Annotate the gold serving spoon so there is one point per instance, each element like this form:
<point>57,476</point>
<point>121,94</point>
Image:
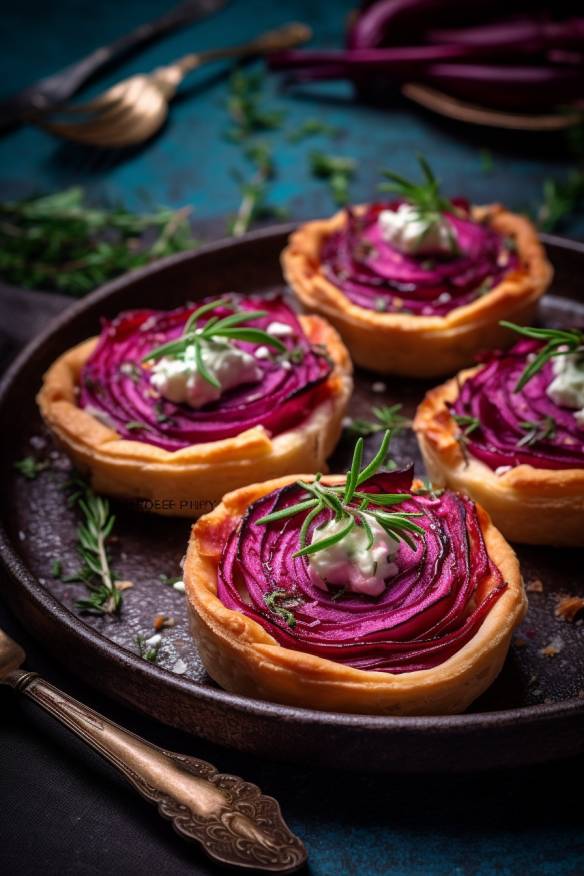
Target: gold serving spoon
<point>231,819</point>
<point>134,109</point>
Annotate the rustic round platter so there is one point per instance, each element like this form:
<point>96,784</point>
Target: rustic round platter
<point>533,712</point>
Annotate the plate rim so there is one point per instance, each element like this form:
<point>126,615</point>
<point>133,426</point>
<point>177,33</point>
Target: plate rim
<point>16,569</point>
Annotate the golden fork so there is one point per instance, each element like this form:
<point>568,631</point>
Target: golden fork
<point>231,819</point>
<point>134,109</point>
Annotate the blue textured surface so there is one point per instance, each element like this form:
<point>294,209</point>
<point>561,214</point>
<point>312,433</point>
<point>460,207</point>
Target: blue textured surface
<point>191,162</point>
<point>504,824</point>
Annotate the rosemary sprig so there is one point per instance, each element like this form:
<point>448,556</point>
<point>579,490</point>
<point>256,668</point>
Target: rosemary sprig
<point>425,198</point>
<point>338,170</point>
<point>536,431</point>
<point>350,506</point>
<point>232,327</point>
<point>560,200</point>
<point>93,533</point>
<point>386,417</point>
<point>559,342</point>
<point>59,242</point>
<point>29,467</point>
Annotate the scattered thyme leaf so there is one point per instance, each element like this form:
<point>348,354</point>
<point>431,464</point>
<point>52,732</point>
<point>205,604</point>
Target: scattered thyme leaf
<point>385,417</point>
<point>536,431</point>
<point>245,106</point>
<point>280,602</point>
<point>310,128</point>
<point>29,467</point>
<point>56,568</point>
<point>338,170</point>
<point>560,200</point>
<point>146,650</point>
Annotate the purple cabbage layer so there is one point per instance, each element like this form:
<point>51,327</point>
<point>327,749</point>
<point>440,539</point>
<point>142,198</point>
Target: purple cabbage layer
<point>489,396</point>
<point>435,604</point>
<point>116,386</point>
<point>375,275</point>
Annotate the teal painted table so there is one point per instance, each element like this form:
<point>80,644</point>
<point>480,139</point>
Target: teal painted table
<point>508,824</point>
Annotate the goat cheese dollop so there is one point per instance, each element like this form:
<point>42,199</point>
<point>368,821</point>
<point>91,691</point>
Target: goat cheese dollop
<point>178,379</point>
<point>567,387</point>
<point>350,563</point>
<point>410,233</point>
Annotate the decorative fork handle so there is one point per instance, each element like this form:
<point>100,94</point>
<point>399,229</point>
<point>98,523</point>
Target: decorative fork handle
<point>231,819</point>
<point>286,37</point>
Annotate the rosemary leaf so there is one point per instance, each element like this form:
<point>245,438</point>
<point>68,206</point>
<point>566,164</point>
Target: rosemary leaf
<point>558,342</point>
<point>29,467</point>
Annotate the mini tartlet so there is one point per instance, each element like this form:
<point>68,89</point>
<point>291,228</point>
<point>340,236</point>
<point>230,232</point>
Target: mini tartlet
<point>104,407</point>
<point>501,433</point>
<point>429,643</point>
<point>417,286</point>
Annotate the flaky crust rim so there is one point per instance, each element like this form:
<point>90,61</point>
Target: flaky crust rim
<point>243,658</point>
<point>190,481</point>
<point>528,504</point>
<point>420,346</point>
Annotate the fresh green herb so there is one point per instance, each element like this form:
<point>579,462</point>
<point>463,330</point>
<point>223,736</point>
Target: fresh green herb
<point>467,425</point>
<point>428,490</point>
<point>56,569</point>
<point>229,327</point>
<point>484,288</point>
<point>29,467</point>
<point>559,342</point>
<point>486,160</point>
<point>381,304</point>
<point>310,128</point>
<point>92,534</point>
<point>170,580</point>
<point>59,242</point>
<point>338,170</point>
<point>145,650</point>
<point>560,200</point>
<point>336,500</point>
<point>280,602</point>
<point>135,425</point>
<point>244,105</point>
<point>386,417</point>
<point>537,431</point>
<point>425,198</point>
<point>161,416</point>
<point>254,204</point>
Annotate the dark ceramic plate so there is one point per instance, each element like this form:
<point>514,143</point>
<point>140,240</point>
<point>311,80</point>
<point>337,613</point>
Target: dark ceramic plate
<point>533,712</point>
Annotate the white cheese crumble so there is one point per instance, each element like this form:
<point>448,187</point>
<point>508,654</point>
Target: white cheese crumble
<point>262,353</point>
<point>280,329</point>
<point>179,585</point>
<point>178,379</point>
<point>349,563</point>
<point>567,387</point>
<point>411,234</point>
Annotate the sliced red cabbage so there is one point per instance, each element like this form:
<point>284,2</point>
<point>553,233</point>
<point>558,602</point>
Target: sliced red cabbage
<point>375,275</point>
<point>489,396</point>
<point>116,386</point>
<point>442,592</point>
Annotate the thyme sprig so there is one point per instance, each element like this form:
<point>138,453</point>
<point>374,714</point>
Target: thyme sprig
<point>60,242</point>
<point>386,417</point>
<point>30,468</point>
<point>350,506</point>
<point>280,602</point>
<point>232,327</point>
<point>254,203</point>
<point>558,342</point>
<point>92,534</point>
<point>245,106</point>
<point>536,431</point>
<point>338,170</point>
<point>146,650</point>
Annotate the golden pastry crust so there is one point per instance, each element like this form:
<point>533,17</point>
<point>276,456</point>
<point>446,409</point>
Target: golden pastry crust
<point>529,505</point>
<point>242,657</point>
<point>421,346</point>
<point>191,481</point>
